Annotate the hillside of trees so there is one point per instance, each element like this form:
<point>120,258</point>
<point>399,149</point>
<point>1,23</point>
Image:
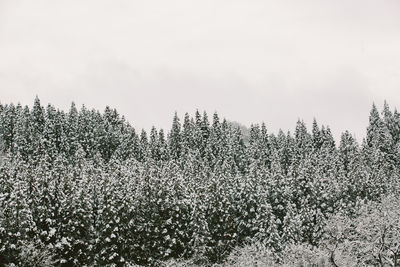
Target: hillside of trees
<point>83,187</point>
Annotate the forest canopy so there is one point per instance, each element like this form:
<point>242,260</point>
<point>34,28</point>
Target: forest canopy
<point>84,187</point>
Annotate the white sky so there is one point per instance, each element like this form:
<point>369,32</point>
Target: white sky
<point>250,60</point>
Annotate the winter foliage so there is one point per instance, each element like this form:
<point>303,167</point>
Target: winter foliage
<point>84,188</point>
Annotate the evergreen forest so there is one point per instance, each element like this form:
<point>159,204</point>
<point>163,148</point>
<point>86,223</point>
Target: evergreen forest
<point>85,188</point>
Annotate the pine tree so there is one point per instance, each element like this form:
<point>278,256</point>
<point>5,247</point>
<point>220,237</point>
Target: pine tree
<point>215,144</point>
<point>188,138</point>
<point>395,129</point>
<point>328,157</point>
<point>83,188</point>
<point>378,149</point>
<point>316,135</point>
<point>302,148</point>
<point>175,139</point>
<point>348,150</point>
<point>54,137</point>
<point>72,132</point>
<point>155,145</point>
<point>38,119</point>
<point>23,139</point>
<point>143,146</point>
<point>8,123</point>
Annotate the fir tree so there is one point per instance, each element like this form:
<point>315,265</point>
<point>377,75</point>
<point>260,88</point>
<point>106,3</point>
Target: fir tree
<point>175,139</point>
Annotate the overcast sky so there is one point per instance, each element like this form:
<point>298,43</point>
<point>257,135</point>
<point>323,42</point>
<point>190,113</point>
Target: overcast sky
<point>250,60</point>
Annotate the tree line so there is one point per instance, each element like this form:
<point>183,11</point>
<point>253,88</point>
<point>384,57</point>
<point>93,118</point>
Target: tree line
<point>84,187</point>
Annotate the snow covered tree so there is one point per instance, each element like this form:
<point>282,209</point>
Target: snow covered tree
<point>175,139</point>
<point>83,188</point>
